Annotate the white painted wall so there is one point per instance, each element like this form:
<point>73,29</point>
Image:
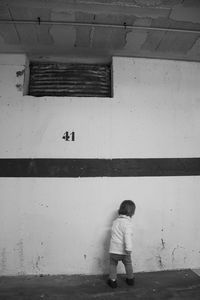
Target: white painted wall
<point>61,225</point>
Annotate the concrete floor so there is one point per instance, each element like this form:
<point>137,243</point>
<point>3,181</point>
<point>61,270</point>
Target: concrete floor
<point>173,285</point>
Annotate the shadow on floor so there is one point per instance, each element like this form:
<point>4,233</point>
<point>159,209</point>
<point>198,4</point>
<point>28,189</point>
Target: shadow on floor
<point>175,285</point>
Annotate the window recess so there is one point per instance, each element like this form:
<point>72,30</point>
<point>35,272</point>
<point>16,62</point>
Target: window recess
<point>72,80</point>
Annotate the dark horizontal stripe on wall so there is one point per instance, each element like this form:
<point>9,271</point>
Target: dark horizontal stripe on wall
<point>50,167</point>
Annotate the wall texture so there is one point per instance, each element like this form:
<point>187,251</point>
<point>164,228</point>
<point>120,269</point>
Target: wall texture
<point>62,225</point>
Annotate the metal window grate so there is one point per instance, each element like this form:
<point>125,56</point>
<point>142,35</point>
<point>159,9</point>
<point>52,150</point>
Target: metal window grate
<point>73,80</point>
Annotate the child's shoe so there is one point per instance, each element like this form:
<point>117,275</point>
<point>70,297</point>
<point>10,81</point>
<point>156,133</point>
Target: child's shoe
<point>112,283</point>
<point>130,281</point>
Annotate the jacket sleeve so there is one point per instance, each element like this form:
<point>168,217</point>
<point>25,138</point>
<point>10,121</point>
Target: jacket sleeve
<point>128,237</point>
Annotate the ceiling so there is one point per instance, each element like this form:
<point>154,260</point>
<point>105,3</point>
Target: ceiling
<point>100,29</point>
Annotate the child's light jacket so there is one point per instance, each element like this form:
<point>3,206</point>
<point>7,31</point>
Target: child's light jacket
<point>121,235</point>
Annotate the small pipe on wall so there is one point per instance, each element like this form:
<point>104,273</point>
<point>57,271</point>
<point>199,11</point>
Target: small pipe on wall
<point>125,26</point>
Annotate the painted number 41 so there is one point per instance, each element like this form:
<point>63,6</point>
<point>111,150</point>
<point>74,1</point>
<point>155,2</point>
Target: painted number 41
<point>69,136</point>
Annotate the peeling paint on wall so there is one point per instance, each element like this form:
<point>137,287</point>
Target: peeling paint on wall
<point>163,244</point>
<point>38,262</point>
<point>160,262</point>
<point>178,253</point>
<point>19,87</point>
<point>20,249</point>
<point>20,73</point>
<point>3,262</point>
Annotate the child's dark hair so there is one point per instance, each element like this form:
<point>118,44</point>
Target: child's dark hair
<point>127,208</point>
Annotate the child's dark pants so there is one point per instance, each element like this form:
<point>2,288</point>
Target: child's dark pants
<point>126,260</point>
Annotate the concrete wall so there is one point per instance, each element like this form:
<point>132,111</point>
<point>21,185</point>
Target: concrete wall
<point>62,225</point>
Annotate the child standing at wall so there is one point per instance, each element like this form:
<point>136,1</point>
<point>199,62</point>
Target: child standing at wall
<point>121,243</point>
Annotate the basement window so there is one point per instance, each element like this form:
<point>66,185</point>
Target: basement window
<point>71,80</point>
